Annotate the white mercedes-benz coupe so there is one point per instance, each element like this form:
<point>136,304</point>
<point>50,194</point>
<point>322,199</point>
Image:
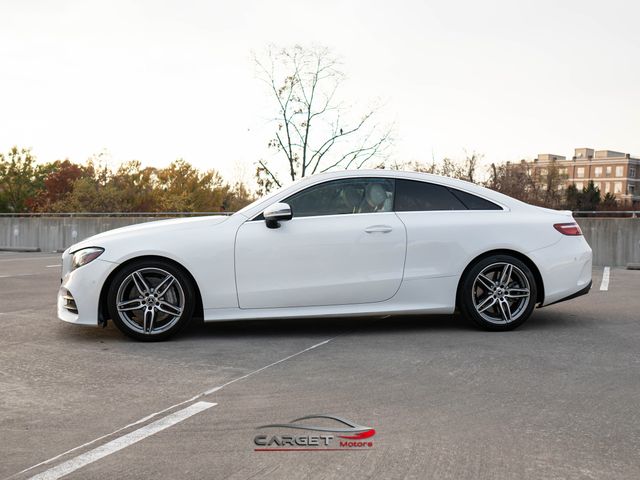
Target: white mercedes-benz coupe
<point>350,243</point>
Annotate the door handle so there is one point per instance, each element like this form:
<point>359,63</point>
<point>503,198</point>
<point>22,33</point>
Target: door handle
<point>378,229</point>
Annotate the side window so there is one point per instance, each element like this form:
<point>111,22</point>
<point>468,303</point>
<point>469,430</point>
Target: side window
<point>416,196</point>
<point>474,203</point>
<point>344,196</point>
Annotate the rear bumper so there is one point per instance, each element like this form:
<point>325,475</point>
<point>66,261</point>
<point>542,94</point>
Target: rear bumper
<point>579,293</point>
<point>565,268</point>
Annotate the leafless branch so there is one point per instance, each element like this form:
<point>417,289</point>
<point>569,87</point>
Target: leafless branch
<point>305,83</point>
<point>268,172</point>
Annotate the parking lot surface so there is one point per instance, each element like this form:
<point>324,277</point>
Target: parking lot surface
<point>557,398</point>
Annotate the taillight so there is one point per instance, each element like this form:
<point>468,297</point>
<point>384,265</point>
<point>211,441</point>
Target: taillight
<point>568,228</point>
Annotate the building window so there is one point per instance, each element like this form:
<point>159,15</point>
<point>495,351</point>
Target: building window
<point>608,171</point>
<point>579,185</point>
<point>598,171</point>
<point>630,189</point>
<point>619,171</point>
<point>617,187</point>
<point>632,172</point>
<point>607,187</point>
<point>580,172</point>
<point>543,171</point>
<point>563,171</point>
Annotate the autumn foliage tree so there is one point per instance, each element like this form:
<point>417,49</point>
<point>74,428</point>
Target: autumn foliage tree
<point>64,186</point>
<point>57,183</point>
<point>21,178</point>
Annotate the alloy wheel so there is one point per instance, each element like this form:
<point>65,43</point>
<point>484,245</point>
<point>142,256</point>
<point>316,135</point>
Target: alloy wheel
<point>150,300</point>
<point>501,293</point>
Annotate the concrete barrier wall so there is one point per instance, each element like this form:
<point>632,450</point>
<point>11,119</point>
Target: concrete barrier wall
<point>57,233</point>
<point>615,241</point>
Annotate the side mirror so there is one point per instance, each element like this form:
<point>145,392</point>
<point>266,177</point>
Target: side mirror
<point>278,212</point>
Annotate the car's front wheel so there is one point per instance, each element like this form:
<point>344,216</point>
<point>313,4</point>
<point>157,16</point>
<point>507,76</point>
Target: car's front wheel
<point>498,293</point>
<point>150,300</point>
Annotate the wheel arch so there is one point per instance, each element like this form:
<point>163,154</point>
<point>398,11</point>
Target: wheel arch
<point>520,256</point>
<point>103,311</point>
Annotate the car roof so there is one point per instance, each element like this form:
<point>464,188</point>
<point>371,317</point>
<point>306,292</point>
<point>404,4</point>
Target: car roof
<point>424,177</point>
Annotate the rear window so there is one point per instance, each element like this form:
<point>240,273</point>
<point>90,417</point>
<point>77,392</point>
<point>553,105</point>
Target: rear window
<point>415,196</point>
<point>474,203</point>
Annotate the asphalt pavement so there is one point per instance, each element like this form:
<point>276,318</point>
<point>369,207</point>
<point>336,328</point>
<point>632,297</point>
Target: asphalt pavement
<point>557,398</point>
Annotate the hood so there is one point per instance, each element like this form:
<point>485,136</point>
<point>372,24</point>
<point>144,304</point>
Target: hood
<point>147,228</point>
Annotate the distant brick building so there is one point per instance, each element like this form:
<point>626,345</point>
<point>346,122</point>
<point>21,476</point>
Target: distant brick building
<point>612,172</point>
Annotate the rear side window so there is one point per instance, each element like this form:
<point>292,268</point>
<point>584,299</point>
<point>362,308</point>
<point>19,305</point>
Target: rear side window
<point>415,196</point>
<point>474,203</point>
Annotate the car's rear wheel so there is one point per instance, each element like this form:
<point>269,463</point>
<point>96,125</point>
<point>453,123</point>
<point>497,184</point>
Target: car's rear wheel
<point>150,300</point>
<point>498,293</point>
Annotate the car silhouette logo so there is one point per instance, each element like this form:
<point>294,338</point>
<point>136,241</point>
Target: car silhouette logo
<point>346,429</point>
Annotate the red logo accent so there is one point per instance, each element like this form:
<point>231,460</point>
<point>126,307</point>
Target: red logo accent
<point>360,436</point>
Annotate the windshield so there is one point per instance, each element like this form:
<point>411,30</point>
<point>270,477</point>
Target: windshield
<point>269,196</point>
<point>259,200</point>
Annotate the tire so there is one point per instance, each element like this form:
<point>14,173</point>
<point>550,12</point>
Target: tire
<point>151,300</point>
<point>492,303</point>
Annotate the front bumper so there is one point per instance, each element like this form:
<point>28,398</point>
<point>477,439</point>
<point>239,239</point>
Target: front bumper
<point>84,286</point>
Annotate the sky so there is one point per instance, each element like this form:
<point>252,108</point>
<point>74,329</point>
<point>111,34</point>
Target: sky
<point>159,80</point>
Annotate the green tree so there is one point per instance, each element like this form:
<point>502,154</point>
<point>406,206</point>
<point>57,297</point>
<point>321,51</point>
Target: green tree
<point>20,179</point>
<point>587,199</point>
<point>590,198</point>
<point>609,202</point>
<point>572,198</point>
<point>88,195</point>
<point>136,186</point>
<point>183,188</point>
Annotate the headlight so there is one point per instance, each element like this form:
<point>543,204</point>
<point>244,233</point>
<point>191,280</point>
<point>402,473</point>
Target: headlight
<point>84,256</point>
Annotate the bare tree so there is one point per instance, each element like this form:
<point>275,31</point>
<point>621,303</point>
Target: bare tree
<point>315,131</point>
<point>551,182</point>
<point>466,170</point>
<point>514,179</point>
<point>470,165</point>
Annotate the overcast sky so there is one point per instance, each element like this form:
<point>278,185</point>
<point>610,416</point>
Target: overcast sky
<point>156,80</point>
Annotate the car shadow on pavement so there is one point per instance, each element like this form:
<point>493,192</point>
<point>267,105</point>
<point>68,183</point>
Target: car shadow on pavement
<point>545,320</point>
<point>324,327</point>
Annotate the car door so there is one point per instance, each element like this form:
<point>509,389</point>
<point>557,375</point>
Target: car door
<point>344,245</point>
<point>445,227</point>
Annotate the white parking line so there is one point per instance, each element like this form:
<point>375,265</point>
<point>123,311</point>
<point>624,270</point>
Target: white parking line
<point>53,266</point>
<point>16,312</point>
<point>604,285</point>
<point>19,275</point>
<point>119,443</point>
<point>27,259</point>
<point>192,399</point>
<point>220,387</point>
